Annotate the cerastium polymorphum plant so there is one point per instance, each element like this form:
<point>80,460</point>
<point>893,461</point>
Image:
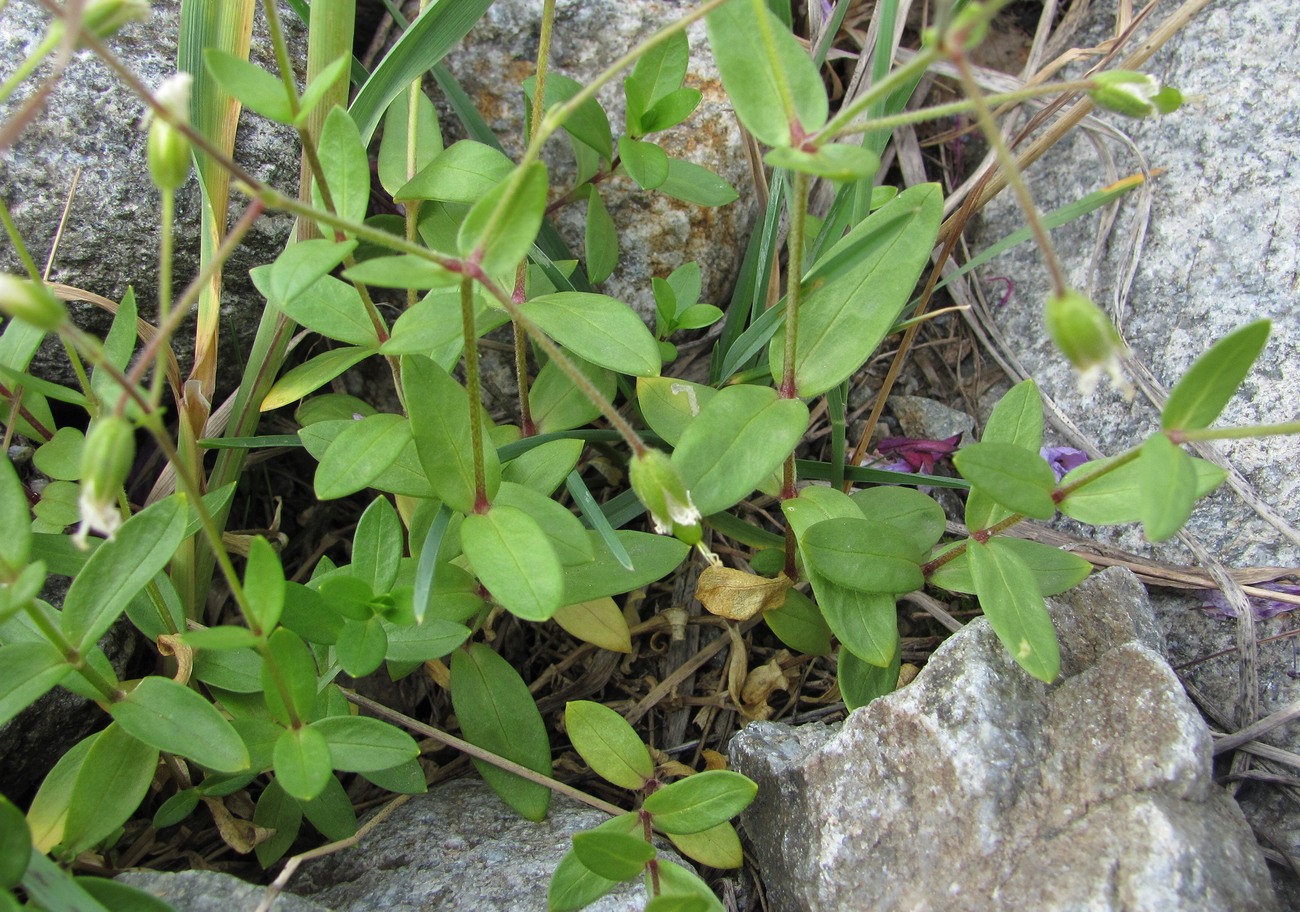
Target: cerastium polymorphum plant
<point>464,520</point>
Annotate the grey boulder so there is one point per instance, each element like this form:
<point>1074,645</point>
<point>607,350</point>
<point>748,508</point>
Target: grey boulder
<point>978,787</point>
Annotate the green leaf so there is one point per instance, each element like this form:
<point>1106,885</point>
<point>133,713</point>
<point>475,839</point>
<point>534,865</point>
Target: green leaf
<point>610,746</point>
<point>1017,418</point>
<point>359,744</point>
<point>16,520</point>
<point>836,162</point>
<point>377,546</point>
<point>1054,569</point>
<point>692,183</point>
<point>236,670</point>
<point>497,713</point>
<point>511,556</point>
<point>407,779</point>
<point>312,375</point>
<point>59,457</point>
<point>682,891</point>
<point>501,227</point>
<point>716,847</point>
<point>1016,478</point>
<point>857,290</point>
<point>669,404</point>
<point>646,163</point>
<point>772,82</point>
<point>27,671</point>
<point>343,158</point>
<point>49,810</point>
<point>1168,487</point>
<point>290,664</point>
<point>653,557</point>
<point>599,622</point>
<point>302,762</point>
<point>320,86</point>
<point>434,638</point>
<point>258,90</point>
<point>347,595</point>
<point>865,622</point>
<point>661,70</point>
<point>110,784</point>
<point>462,173</point>
<point>671,110</point>
<point>556,402</point>
<point>600,241</point>
<point>264,584</point>
<point>403,271</point>
<point>394,145</point>
<point>15,844</point>
<point>588,124</point>
<point>331,811</point>
<point>564,531</point>
<point>282,815</point>
<point>615,856</point>
<point>799,624</point>
<point>1117,496</point>
<point>915,515</point>
<point>1211,382</point>
<point>573,886</point>
<point>328,306</point>
<point>740,438</point>
<point>699,316</point>
<point>700,802</point>
<point>175,719</point>
<point>359,454</point>
<point>863,555</point>
<point>176,808</point>
<point>439,410</point>
<point>119,897</point>
<point>861,681</point>
<point>1011,600</point>
<point>120,568</point>
<point>362,646</point>
<point>598,328</point>
<point>298,268</point>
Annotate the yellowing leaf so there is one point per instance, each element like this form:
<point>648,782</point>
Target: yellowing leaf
<point>738,596</point>
<point>598,622</point>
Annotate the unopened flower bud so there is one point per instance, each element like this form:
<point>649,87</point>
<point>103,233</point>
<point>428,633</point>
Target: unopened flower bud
<point>169,148</point>
<point>32,303</point>
<point>657,483</point>
<point>1133,94</point>
<point>1087,337</point>
<point>106,460</point>
<point>102,18</point>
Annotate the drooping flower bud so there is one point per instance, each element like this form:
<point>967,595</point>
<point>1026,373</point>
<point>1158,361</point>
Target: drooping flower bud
<point>657,483</point>
<point>32,303</point>
<point>103,18</point>
<point>1087,337</point>
<point>169,148</point>
<point>106,460</point>
<point>1133,94</point>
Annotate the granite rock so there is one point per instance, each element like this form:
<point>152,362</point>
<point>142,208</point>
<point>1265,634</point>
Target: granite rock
<point>457,847</point>
<point>211,891</point>
<point>978,787</point>
<point>656,233</point>
<point>92,122</point>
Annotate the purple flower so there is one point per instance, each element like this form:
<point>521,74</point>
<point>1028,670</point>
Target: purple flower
<point>912,454</point>
<point>1063,459</point>
<point>1217,605</point>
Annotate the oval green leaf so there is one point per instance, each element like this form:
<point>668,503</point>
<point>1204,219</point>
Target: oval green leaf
<point>175,719</point>
<point>1016,478</point>
<point>511,556</point>
<point>302,762</point>
<point>1168,487</point>
<point>110,784</point>
<point>862,555</point>
<point>359,744</point>
<point>1201,394</point>
<point>598,328</point>
<point>614,856</point>
<point>700,802</point>
<point>610,746</point>
<point>862,681</point>
<point>1009,595</point>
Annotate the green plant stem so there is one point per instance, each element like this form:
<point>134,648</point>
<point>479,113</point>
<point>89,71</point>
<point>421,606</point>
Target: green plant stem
<point>281,49</point>
<point>794,291</point>
<point>842,122</point>
<point>165,247</point>
<point>526,425</point>
<point>16,238</point>
<point>1009,167</point>
<point>1234,433</point>
<point>31,62</point>
<point>473,393</point>
<point>951,109</point>
<point>72,654</point>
